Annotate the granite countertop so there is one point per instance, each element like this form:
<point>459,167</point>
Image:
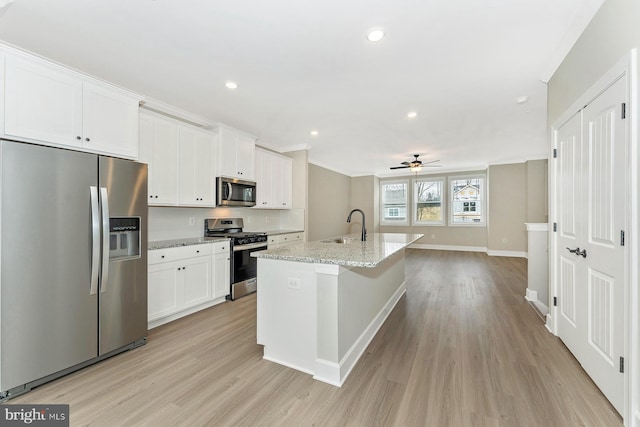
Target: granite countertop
<point>353,253</point>
<point>189,241</point>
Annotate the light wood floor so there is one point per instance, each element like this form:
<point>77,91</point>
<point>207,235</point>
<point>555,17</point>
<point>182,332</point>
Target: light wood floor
<point>462,348</point>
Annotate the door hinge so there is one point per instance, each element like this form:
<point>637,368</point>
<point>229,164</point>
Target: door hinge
<point>555,301</point>
<point>624,111</point>
<point>555,226</point>
<point>621,237</point>
<point>622,365</point>
<point>555,153</point>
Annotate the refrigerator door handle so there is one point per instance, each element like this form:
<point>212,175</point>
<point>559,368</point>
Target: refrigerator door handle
<point>95,240</point>
<point>104,199</point>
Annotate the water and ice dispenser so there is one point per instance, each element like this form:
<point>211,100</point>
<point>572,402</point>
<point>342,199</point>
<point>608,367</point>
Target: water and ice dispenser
<point>124,238</point>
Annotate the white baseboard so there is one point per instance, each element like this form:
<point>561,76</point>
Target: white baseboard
<point>288,365</point>
<point>531,295</point>
<point>548,324</point>
<point>449,247</point>
<point>514,254</point>
<point>490,252</point>
<point>336,374</point>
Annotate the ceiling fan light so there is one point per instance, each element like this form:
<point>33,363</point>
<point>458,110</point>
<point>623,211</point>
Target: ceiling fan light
<point>415,168</point>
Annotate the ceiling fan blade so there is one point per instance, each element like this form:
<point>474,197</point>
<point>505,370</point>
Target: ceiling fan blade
<point>399,167</point>
<point>432,166</point>
<point>432,161</point>
<point>405,163</point>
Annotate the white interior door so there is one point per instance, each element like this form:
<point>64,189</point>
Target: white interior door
<point>570,230</point>
<point>591,260</point>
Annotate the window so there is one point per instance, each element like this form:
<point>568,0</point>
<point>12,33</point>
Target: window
<point>393,197</point>
<point>427,202</point>
<point>467,200</point>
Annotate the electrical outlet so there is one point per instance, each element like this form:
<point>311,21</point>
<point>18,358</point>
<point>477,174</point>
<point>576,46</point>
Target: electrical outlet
<point>433,236</point>
<point>505,240</point>
<point>192,220</point>
<point>293,283</point>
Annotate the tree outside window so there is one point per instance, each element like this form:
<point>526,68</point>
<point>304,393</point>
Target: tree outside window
<point>428,207</point>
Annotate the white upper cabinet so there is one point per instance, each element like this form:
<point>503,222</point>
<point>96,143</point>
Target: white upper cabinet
<point>109,121</point>
<point>196,177</point>
<point>273,180</point>
<point>42,103</point>
<point>48,104</point>
<point>182,160</point>
<point>236,155</point>
<point>159,149</point>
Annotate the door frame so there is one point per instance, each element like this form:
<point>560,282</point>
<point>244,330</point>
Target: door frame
<point>624,69</point>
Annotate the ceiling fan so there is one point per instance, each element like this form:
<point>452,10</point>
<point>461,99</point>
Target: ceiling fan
<point>416,164</point>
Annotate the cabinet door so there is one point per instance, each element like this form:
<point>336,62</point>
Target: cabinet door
<point>197,281</point>
<point>246,157</point>
<point>42,103</point>
<point>109,121</point>
<point>264,196</point>
<point>221,279</point>
<point>164,164</point>
<point>162,290</point>
<point>195,168</point>
<point>286,183</point>
<point>228,140</point>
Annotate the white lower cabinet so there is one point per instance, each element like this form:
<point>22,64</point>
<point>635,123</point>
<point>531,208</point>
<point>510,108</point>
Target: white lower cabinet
<point>186,279</point>
<point>275,241</point>
<point>221,270</point>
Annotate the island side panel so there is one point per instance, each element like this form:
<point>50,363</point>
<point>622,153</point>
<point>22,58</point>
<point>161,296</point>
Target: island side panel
<point>286,313</point>
<point>352,305</point>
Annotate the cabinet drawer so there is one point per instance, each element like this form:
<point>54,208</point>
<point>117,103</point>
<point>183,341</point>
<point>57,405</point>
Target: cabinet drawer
<point>290,238</point>
<point>221,247</point>
<point>173,254</point>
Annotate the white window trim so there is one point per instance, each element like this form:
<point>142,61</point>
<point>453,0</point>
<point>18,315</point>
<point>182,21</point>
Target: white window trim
<point>443,202</point>
<point>484,200</point>
<point>404,223</point>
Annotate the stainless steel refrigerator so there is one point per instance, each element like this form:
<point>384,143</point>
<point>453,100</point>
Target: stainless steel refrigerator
<point>73,261</point>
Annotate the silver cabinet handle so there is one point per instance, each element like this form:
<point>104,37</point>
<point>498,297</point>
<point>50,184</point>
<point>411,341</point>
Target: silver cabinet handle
<point>95,240</point>
<point>104,199</point>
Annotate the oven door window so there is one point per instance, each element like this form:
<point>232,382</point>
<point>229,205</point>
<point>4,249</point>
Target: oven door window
<point>244,265</point>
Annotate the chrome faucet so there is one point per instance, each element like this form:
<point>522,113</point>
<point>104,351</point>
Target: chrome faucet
<point>364,230</point>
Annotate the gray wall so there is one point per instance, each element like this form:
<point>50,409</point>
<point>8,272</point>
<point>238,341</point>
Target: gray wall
<point>537,191</point>
<point>507,208</point>
<point>329,203</point>
<point>365,196</point>
<point>611,34</point>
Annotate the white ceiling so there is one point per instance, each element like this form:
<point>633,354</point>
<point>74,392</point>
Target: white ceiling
<point>303,65</point>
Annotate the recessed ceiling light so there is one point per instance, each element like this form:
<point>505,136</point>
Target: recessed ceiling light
<point>375,35</point>
<point>231,85</point>
<point>412,114</point>
<point>314,133</point>
<point>522,99</point>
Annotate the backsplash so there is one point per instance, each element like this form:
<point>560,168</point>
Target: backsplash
<point>166,223</point>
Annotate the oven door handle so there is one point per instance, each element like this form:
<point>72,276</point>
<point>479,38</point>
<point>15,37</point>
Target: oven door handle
<point>238,248</point>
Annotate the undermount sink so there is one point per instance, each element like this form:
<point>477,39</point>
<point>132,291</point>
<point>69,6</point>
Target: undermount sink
<point>343,240</point>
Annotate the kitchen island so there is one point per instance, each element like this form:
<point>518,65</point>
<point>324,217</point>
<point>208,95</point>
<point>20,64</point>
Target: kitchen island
<point>319,304</point>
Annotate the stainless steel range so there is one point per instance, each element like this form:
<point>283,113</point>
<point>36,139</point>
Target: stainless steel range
<point>243,266</point>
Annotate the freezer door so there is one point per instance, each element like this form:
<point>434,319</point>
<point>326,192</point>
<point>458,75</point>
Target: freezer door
<point>123,295</point>
<point>48,314</point>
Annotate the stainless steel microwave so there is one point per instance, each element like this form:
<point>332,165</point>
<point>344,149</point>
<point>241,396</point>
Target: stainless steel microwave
<point>235,192</point>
